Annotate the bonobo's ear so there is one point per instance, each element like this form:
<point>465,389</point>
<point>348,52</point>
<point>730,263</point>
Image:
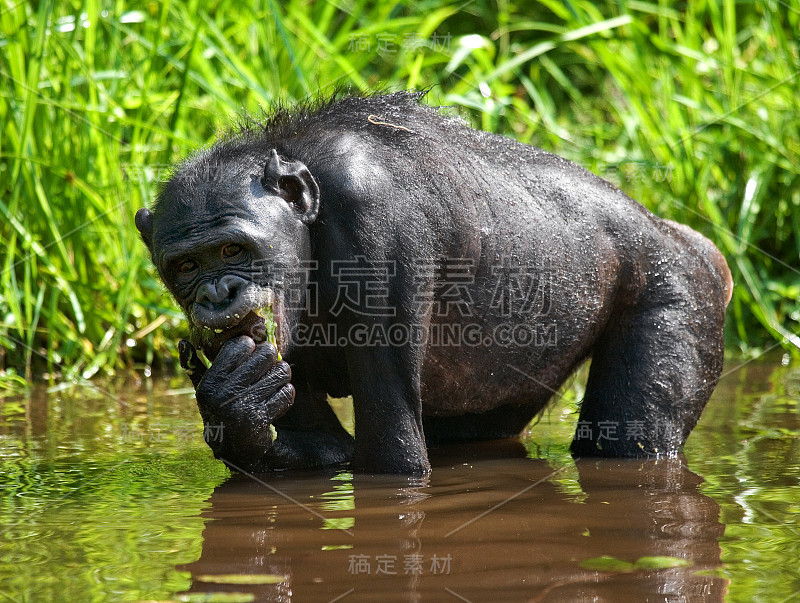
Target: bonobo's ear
<point>292,181</point>
<point>144,222</point>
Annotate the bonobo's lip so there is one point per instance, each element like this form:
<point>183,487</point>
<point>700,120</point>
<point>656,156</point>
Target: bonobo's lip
<point>252,298</point>
<point>211,329</point>
<point>211,342</point>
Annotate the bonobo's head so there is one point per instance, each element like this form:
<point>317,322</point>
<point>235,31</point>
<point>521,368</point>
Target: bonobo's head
<point>229,236</point>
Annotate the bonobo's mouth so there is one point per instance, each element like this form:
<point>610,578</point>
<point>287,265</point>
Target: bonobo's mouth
<point>249,314</point>
<point>231,314</point>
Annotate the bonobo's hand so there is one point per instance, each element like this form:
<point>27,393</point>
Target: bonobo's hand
<point>239,396</point>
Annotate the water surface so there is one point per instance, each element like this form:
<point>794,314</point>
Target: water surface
<point>108,493</point>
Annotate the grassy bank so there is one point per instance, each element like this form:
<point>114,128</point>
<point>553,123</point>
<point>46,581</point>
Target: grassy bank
<point>693,111</point>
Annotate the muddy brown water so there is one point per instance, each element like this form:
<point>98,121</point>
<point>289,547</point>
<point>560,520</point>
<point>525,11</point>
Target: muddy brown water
<point>108,493</point>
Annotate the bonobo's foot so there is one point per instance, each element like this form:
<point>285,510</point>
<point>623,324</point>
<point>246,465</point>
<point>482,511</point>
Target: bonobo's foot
<point>239,396</point>
<point>300,449</point>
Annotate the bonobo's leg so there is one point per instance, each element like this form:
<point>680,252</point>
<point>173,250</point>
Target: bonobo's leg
<point>503,422</point>
<point>388,410</point>
<point>656,364</point>
<point>242,394</point>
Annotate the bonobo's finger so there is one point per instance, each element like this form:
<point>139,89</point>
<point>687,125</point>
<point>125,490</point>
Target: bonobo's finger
<point>190,362</point>
<point>265,401</point>
<point>272,380</point>
<point>272,396</point>
<point>234,352</point>
<point>257,365</point>
<point>280,402</point>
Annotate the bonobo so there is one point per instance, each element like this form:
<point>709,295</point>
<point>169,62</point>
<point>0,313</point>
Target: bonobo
<point>450,280</point>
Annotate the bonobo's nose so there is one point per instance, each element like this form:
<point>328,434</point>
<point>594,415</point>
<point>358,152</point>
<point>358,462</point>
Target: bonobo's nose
<point>220,293</point>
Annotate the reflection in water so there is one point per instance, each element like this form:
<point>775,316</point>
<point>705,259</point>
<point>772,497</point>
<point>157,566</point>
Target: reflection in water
<point>498,526</point>
<point>108,493</point>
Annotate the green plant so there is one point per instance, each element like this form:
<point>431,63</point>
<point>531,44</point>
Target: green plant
<point>695,112</point>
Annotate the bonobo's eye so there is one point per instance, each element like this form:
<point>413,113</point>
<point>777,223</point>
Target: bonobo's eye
<point>187,267</point>
<point>231,251</point>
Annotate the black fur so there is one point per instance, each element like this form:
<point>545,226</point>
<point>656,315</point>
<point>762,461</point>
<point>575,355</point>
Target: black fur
<point>452,214</point>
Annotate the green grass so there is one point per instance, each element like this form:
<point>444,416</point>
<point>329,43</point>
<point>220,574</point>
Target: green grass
<point>694,111</point>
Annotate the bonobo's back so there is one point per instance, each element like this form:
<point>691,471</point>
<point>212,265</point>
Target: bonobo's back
<point>412,142</point>
<point>415,141</point>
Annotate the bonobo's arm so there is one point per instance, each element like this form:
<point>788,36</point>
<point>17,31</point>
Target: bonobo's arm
<point>243,392</point>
